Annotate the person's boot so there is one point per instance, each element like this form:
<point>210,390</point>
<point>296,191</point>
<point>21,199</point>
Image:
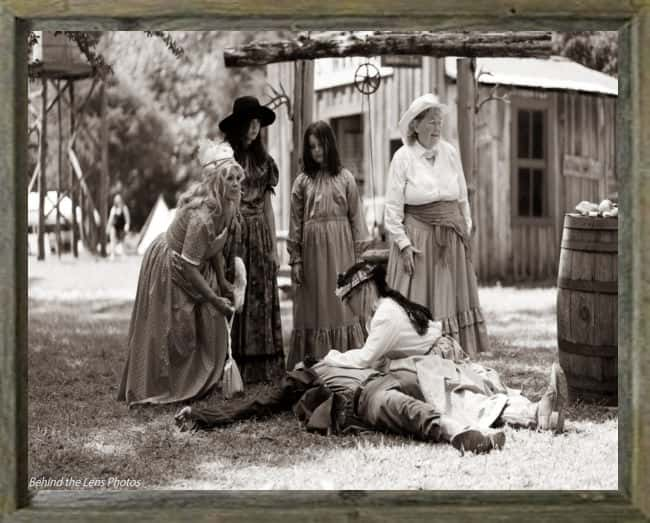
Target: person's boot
<point>477,441</point>
<point>550,410</point>
<point>182,418</point>
<point>467,439</point>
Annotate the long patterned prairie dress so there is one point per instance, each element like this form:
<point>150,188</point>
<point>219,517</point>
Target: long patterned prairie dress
<point>327,232</point>
<point>177,340</point>
<point>257,329</point>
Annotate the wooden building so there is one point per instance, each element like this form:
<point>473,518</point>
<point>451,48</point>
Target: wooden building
<point>549,147</point>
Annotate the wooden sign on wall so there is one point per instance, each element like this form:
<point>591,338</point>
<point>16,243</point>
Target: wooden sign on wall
<point>414,61</point>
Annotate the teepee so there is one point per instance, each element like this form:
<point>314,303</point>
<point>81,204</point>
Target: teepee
<point>159,219</point>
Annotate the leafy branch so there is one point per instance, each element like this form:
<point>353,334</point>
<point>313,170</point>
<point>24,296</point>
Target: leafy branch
<point>87,42</point>
<point>171,44</point>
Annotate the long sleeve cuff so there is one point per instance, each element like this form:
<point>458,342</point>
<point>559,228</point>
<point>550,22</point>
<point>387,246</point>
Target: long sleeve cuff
<point>295,251</point>
<point>403,243</point>
<point>467,214</point>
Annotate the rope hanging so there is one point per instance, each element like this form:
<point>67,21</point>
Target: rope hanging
<point>367,80</point>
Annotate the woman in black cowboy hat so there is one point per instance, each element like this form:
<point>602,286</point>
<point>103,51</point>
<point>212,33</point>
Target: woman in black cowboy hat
<point>257,332</point>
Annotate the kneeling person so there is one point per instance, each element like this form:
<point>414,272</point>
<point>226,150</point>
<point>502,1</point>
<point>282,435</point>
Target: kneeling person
<point>379,386</point>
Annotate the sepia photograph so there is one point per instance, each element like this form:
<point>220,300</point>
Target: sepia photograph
<point>322,260</point>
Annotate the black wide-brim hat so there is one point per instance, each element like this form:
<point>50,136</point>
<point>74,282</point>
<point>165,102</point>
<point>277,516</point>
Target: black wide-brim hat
<point>245,109</point>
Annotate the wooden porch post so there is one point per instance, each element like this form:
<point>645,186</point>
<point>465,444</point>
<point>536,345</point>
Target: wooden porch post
<point>303,109</point>
<point>74,186</point>
<point>59,174</point>
<point>104,175</point>
<point>466,121</point>
<point>466,138</point>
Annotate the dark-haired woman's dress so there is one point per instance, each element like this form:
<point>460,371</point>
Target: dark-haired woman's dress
<point>326,234</point>
<point>177,341</point>
<point>257,329</point>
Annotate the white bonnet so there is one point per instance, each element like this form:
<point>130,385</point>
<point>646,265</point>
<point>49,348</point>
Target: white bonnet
<point>419,105</point>
<point>214,152</point>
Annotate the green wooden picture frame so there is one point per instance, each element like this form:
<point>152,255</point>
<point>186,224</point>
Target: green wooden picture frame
<point>630,17</point>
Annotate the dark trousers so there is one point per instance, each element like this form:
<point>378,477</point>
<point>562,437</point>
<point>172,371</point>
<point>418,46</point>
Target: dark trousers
<point>394,403</point>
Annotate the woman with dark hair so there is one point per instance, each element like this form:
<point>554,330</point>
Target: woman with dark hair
<point>257,331</point>
<point>398,327</point>
<point>407,380</point>
<point>326,234</point>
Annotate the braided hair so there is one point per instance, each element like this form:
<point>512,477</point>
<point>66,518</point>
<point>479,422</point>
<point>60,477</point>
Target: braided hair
<point>418,315</point>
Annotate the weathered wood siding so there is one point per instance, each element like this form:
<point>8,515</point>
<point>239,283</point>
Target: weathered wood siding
<point>342,101</point>
<point>379,124</point>
<point>587,123</point>
<point>491,204</point>
<point>280,144</point>
<point>580,154</point>
<point>579,151</point>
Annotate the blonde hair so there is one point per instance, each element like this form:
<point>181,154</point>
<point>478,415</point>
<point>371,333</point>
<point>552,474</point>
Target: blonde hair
<point>209,190</point>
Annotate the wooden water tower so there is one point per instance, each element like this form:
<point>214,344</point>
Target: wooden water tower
<point>58,63</point>
<point>58,57</point>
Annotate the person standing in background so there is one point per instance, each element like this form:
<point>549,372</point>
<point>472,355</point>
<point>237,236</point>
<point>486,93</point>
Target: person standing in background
<point>428,217</point>
<point>257,330</point>
<point>327,233</point>
<point>117,225</point>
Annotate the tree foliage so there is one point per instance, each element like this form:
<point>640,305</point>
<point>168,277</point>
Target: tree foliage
<point>161,100</point>
<point>595,49</point>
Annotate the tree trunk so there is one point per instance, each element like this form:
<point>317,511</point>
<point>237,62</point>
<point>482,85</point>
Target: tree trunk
<point>340,44</point>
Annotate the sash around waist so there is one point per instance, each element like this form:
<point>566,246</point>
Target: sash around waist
<point>251,210</point>
<point>435,213</point>
<point>442,214</point>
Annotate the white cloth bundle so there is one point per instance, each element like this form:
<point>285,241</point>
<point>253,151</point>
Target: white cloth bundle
<point>232,382</point>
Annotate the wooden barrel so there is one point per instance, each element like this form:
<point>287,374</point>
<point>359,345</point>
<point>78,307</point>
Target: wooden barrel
<point>587,321</point>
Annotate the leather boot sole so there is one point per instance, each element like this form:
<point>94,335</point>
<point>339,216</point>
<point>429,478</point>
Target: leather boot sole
<point>472,440</point>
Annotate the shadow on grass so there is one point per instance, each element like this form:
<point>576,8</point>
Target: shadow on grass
<point>77,428</point>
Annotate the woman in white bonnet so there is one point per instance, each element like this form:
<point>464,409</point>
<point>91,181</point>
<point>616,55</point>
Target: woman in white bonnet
<point>177,341</point>
<point>428,217</point>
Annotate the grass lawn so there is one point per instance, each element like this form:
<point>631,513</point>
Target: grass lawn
<point>78,320</point>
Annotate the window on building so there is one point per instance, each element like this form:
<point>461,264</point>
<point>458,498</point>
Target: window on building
<point>530,181</point>
<point>349,138</point>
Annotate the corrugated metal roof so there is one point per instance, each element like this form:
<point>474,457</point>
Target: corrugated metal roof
<point>552,73</point>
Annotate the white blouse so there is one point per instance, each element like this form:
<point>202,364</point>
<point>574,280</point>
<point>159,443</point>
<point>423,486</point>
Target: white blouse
<point>390,336</point>
<point>415,179</point>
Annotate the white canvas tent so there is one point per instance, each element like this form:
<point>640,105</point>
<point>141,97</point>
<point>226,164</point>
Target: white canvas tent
<point>159,219</point>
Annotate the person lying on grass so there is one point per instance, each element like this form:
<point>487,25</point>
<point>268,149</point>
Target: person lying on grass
<point>407,379</point>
